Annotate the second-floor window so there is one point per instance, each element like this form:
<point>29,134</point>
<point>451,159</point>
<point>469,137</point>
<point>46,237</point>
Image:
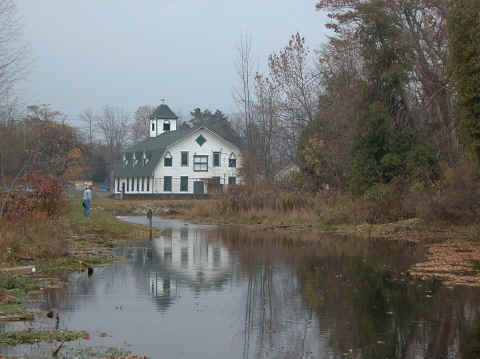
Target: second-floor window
<point>200,163</point>
<point>216,159</point>
<point>184,159</point>
<point>232,161</point>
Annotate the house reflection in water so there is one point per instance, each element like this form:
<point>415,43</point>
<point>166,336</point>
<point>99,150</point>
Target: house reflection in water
<point>186,257</point>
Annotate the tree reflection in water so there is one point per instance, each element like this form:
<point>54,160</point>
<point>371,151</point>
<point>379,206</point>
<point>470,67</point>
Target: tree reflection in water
<point>357,301</point>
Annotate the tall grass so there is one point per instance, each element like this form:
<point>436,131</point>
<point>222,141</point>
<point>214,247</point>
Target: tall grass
<point>263,197</point>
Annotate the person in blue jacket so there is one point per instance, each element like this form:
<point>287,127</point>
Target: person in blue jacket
<point>86,201</point>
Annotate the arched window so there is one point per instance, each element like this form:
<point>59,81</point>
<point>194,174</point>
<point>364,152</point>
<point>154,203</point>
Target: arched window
<point>146,158</point>
<point>128,159</point>
<point>232,160</point>
<point>167,161</point>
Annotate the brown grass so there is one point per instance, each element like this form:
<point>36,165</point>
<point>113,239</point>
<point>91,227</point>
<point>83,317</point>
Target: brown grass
<point>31,239</point>
<point>263,196</point>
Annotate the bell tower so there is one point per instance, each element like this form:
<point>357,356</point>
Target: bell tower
<point>162,120</point>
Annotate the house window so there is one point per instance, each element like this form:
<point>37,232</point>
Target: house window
<point>153,126</point>
<point>143,183</point>
<point>118,184</point>
<point>200,163</point>
<point>183,184</point>
<point>168,160</point>
<point>127,160</point>
<point>232,161</point>
<point>166,126</point>
<point>183,234</point>
<point>232,180</point>
<point>216,159</point>
<point>184,159</point>
<point>148,184</point>
<point>146,159</point>
<point>167,184</point>
<point>184,257</point>
<point>200,140</point>
<point>138,184</point>
<point>128,184</point>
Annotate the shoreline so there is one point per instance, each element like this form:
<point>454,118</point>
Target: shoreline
<point>91,241</point>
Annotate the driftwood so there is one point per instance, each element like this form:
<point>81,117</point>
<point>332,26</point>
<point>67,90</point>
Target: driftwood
<point>19,270</point>
<point>26,317</point>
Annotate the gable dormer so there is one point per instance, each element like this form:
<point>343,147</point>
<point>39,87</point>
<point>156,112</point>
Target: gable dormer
<point>162,120</point>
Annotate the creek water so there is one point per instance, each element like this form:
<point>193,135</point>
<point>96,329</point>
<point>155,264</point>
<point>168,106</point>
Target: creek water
<point>199,291</point>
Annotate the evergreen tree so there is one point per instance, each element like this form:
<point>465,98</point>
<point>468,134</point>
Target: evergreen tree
<point>385,144</point>
<point>216,122</point>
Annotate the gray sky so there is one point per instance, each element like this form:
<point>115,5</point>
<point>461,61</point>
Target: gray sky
<point>130,53</point>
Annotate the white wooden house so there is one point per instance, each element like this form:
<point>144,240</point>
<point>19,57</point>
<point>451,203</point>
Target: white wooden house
<point>176,162</point>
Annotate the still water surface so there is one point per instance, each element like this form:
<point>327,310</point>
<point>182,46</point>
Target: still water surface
<point>210,292</point>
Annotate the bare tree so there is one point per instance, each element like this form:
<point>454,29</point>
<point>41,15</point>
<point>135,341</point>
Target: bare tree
<point>266,118</point>
<point>44,112</point>
<point>12,145</point>
<point>12,68</point>
<point>141,124</point>
<point>13,65</point>
<point>296,79</point>
<point>243,94</point>
<point>113,125</point>
<point>88,117</point>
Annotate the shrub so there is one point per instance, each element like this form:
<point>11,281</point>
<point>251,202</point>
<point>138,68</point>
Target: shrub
<point>455,198</point>
<point>45,200</point>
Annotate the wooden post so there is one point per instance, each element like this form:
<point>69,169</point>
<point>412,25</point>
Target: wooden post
<point>149,216</point>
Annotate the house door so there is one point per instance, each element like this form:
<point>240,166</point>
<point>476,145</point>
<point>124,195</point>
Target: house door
<point>123,187</point>
<point>198,187</point>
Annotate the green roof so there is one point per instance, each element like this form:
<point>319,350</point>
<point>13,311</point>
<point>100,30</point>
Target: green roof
<point>154,149</point>
<point>163,112</point>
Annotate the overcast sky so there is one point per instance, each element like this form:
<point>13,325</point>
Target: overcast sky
<point>128,53</point>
